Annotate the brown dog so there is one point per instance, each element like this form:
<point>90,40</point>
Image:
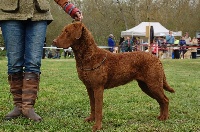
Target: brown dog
<point>100,69</point>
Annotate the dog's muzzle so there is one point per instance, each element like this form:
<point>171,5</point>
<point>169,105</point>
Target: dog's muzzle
<point>54,42</point>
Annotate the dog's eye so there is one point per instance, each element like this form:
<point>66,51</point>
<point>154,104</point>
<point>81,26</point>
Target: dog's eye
<point>66,31</point>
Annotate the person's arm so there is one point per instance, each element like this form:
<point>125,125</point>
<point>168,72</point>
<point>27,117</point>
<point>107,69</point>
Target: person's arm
<point>125,43</point>
<point>109,42</point>
<point>132,42</point>
<point>167,38</point>
<point>70,9</point>
<point>113,42</point>
<point>173,40</point>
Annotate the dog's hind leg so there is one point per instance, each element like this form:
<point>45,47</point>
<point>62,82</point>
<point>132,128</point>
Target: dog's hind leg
<point>164,112</point>
<point>92,105</point>
<point>145,88</point>
<point>156,92</point>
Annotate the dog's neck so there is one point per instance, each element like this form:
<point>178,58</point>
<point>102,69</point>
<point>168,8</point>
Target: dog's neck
<point>85,46</point>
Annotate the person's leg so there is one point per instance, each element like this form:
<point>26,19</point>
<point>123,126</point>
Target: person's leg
<point>129,49</point>
<point>13,35</point>
<point>35,36</point>
<point>34,42</point>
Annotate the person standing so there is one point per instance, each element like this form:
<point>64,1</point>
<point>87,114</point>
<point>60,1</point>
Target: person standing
<point>128,45</point>
<point>24,24</point>
<point>170,41</point>
<point>187,38</point>
<point>111,43</point>
<point>194,41</point>
<point>170,38</point>
<point>122,44</point>
<point>182,44</point>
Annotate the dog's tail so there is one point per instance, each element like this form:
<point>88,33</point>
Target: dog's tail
<point>166,86</point>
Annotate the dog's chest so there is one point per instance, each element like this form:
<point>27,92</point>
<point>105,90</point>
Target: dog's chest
<point>92,77</point>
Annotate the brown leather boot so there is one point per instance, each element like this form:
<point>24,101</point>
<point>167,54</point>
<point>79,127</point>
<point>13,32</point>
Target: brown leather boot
<point>16,84</point>
<point>29,95</point>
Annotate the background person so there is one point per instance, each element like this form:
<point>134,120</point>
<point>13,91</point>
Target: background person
<point>111,42</point>
<point>182,44</point>
<point>170,38</point>
<point>57,54</point>
<point>194,41</point>
<point>170,41</point>
<point>24,24</point>
<point>121,44</point>
<point>128,45</point>
<point>187,38</point>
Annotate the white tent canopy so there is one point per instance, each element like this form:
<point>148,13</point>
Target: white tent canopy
<point>140,30</point>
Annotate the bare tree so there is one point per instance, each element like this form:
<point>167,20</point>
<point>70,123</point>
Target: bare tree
<point>103,17</point>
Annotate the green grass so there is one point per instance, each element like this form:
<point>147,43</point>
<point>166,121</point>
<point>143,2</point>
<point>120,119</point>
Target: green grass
<point>63,101</point>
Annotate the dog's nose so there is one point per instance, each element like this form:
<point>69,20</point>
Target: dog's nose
<point>54,41</point>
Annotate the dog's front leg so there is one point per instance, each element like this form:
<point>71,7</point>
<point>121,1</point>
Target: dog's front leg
<point>92,105</point>
<point>98,95</point>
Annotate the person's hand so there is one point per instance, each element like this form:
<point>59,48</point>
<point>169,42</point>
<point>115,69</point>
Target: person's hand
<point>79,16</point>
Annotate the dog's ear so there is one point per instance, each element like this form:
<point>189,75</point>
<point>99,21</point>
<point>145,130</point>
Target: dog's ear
<point>78,29</point>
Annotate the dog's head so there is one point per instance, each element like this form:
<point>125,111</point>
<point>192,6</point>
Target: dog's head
<point>70,35</point>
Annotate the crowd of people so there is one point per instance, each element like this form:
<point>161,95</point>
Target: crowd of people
<point>126,44</point>
<point>175,46</point>
<point>165,44</point>
<point>178,46</point>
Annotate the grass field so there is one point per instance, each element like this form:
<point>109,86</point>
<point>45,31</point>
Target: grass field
<point>63,102</point>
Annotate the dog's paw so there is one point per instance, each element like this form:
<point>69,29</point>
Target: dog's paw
<point>162,117</point>
<point>96,128</point>
<point>89,119</point>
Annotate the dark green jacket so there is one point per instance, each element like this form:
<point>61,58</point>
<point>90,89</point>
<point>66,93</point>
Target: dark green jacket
<point>126,45</point>
<point>34,10</point>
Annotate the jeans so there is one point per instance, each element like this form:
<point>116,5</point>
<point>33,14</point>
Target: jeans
<point>24,41</point>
